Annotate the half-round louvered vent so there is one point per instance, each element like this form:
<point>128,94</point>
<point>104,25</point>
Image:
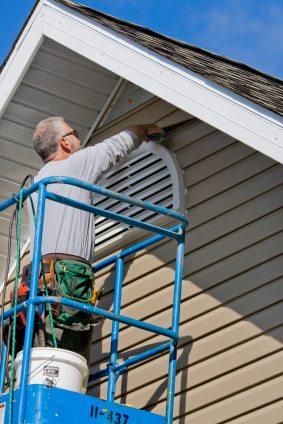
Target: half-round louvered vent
<point>151,174</point>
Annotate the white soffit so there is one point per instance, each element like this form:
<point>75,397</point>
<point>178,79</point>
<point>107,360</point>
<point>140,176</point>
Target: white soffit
<point>218,106</point>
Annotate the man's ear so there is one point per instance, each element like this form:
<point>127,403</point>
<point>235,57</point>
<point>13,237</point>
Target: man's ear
<point>65,144</point>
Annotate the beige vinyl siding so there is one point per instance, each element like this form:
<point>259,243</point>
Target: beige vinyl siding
<point>230,352</point>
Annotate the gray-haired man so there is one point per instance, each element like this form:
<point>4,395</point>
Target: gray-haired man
<point>68,233</point>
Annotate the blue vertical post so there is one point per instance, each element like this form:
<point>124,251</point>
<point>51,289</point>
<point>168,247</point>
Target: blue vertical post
<point>31,307</point>
<point>3,367</point>
<point>175,327</point>
<point>115,328</point>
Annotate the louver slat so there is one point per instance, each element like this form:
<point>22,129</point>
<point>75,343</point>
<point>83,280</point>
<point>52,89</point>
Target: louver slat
<point>134,212</point>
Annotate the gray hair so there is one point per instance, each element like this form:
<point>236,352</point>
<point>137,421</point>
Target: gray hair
<point>47,135</point>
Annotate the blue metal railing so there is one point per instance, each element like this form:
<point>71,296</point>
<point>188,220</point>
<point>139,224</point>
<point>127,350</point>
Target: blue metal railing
<point>114,369</point>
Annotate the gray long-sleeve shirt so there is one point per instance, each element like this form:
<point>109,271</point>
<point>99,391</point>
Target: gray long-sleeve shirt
<point>70,230</point>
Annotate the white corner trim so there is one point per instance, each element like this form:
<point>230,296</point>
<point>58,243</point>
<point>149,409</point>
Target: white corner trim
<point>21,57</point>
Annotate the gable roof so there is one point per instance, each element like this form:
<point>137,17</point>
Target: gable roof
<point>248,82</point>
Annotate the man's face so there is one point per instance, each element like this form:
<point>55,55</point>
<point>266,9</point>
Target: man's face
<point>70,137</point>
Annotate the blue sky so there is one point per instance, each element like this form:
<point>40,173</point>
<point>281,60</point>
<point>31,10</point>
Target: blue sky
<point>248,31</point>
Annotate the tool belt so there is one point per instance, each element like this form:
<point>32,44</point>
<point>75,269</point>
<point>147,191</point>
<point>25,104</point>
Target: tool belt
<point>70,277</point>
<point>48,266</point>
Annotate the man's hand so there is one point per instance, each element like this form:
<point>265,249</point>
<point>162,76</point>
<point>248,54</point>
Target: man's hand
<point>147,132</point>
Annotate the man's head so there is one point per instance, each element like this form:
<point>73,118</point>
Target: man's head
<point>54,139</point>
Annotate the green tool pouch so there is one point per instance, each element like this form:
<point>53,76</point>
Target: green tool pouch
<point>74,281</point>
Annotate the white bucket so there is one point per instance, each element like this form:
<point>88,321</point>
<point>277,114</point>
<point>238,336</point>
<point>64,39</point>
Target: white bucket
<point>55,368</point>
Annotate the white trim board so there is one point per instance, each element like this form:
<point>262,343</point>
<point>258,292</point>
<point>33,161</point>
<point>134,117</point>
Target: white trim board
<point>202,98</point>
<point>21,57</point>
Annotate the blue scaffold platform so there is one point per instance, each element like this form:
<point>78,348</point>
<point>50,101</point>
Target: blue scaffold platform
<point>38,404</point>
<point>52,405</point>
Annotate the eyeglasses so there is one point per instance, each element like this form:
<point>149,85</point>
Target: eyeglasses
<point>73,132</point>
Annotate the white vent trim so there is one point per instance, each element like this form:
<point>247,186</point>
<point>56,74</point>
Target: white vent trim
<point>151,173</point>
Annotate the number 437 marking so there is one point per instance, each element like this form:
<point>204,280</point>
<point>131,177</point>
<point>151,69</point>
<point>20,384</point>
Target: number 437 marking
<point>112,417</point>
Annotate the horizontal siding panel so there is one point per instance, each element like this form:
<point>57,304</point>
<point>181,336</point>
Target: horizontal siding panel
<point>215,390</point>
<point>234,199</point>
<point>209,254</point>
<point>148,289</point>
<point>213,320</point>
<point>190,133</point>
<point>223,411</point>
<point>238,240</point>
<point>240,272</point>
<point>206,343</point>
<point>204,212</point>
<point>227,178</point>
<point>235,219</point>
<point>271,414</point>
<point>208,166</point>
<point>206,146</point>
<point>236,195</point>
<point>204,351</point>
<point>221,340</point>
<point>200,259</point>
<point>188,375</point>
<point>235,287</point>
<point>238,263</point>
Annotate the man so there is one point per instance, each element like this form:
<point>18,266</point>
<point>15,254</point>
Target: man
<point>68,233</point>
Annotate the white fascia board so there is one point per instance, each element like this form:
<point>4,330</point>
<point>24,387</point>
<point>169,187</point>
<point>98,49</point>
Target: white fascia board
<point>21,57</point>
